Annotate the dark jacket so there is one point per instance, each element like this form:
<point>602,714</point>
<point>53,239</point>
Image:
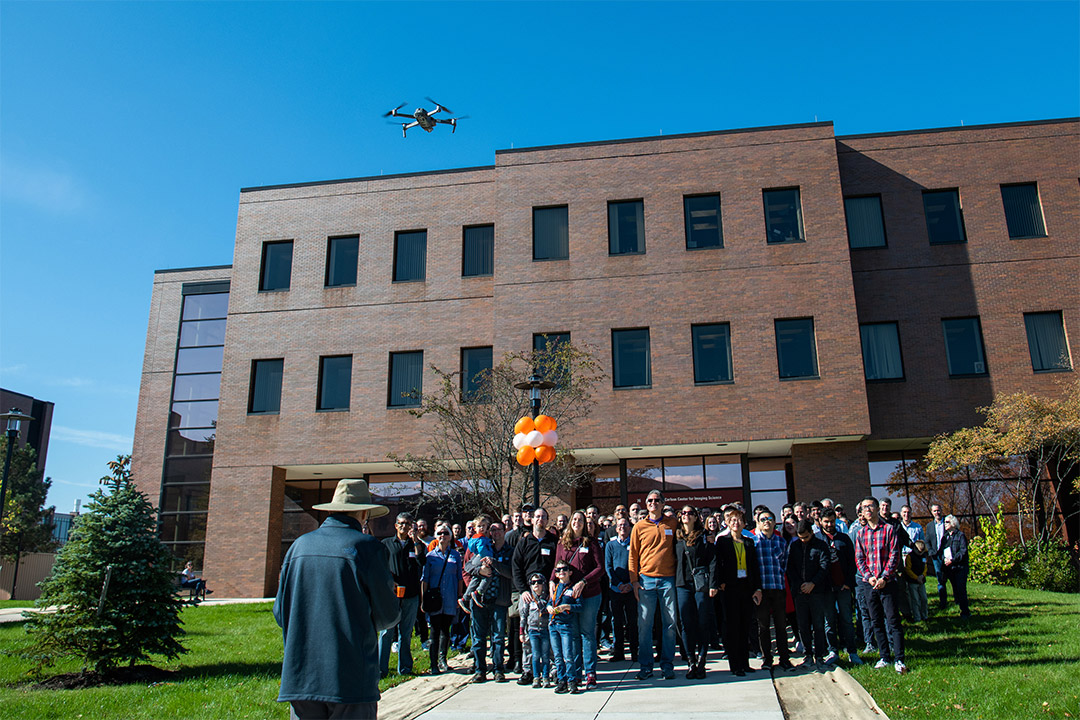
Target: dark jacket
<point>809,562</point>
<point>727,567</point>
<point>503,564</point>
<point>699,555</point>
<point>334,596</point>
<point>844,549</point>
<point>587,563</point>
<point>406,563</point>
<point>529,558</point>
<point>957,542</point>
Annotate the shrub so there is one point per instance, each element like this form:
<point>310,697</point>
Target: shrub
<point>992,558</point>
<point>1049,567</point>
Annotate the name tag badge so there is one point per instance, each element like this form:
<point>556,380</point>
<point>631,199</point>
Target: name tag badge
<point>667,531</point>
<point>451,560</point>
<point>741,574</point>
<point>545,551</point>
<point>412,555</point>
<point>584,551</point>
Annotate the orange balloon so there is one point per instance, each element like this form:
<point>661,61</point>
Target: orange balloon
<point>526,455</point>
<point>545,454</point>
<point>525,426</point>
<point>544,423</point>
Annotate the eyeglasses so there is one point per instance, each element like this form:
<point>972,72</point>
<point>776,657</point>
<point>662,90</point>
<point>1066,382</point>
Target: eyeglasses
<point>764,518</point>
<point>442,532</point>
<point>650,501</point>
<point>403,522</point>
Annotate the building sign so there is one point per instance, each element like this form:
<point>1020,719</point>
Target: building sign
<point>697,498</point>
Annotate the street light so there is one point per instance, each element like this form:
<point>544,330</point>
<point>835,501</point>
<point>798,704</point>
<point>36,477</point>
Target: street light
<point>13,418</point>
<point>534,385</point>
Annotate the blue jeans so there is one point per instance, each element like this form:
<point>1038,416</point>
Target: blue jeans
<point>839,631</point>
<point>482,622</point>
<point>590,607</point>
<point>656,593</point>
<point>939,575</point>
<point>498,638</point>
<point>540,640</point>
<point>402,634</point>
<point>566,647</point>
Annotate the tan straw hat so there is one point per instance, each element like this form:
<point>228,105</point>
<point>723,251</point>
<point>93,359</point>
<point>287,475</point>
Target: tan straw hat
<point>350,496</point>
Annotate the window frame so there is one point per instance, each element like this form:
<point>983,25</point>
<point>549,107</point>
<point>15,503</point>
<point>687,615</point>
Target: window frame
<point>390,405</point>
<point>329,259</point>
<point>1038,203</point>
<point>322,377</point>
<point>397,240</point>
<point>262,265</point>
<point>694,352</point>
<point>536,208</point>
<point>798,213</point>
<point>982,348</point>
<point>719,220</point>
<point>1064,336</point>
<point>899,350</point>
<point>467,395</point>
<point>881,211</point>
<point>612,204</point>
<point>251,386</point>
<point>648,359</point>
<point>959,213</point>
<point>813,337</point>
<point>464,249</point>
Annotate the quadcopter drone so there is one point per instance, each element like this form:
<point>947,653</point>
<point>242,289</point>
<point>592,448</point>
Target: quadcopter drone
<point>424,118</point>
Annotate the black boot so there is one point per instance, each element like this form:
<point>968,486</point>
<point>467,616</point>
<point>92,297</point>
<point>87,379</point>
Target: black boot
<point>433,658</point>
<point>444,646</point>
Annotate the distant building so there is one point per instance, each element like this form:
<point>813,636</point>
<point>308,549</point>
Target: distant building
<point>36,432</point>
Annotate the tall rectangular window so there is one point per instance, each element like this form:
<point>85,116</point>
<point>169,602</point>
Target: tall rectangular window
<point>626,227</point>
<point>1046,341</point>
<point>964,346</point>
<point>1023,211</point>
<point>712,353</point>
<point>264,395</point>
<point>276,271</point>
<point>630,358</point>
<point>335,382</point>
<point>783,216</point>
<point>551,233</point>
<point>406,378</point>
<point>478,251</point>
<point>410,256</point>
<point>702,221</point>
<point>944,218</point>
<point>342,254</point>
<point>881,351</point>
<point>475,366</point>
<point>865,222</point>
<point>796,350</point>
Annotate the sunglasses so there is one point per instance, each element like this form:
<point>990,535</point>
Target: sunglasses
<point>562,569</point>
<point>650,501</point>
<point>442,532</point>
<point>688,512</point>
<point>766,519</point>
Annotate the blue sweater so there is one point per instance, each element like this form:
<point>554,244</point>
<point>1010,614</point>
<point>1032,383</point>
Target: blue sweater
<point>617,562</point>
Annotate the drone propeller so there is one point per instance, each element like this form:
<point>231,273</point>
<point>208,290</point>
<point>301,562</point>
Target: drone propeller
<point>389,114</point>
<point>440,105</point>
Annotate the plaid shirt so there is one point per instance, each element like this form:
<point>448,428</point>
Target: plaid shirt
<point>877,552</point>
<point>772,560</point>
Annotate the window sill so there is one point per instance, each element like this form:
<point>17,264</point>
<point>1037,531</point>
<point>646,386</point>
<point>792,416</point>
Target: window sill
<point>1029,237</point>
<point>705,247</point>
<point>886,380</point>
<point>258,413</point>
<point>946,244</point>
<point>621,254</point>
<point>402,407</point>
<point>338,287</point>
<point>784,242</point>
<point>482,275</point>
<point>406,282</point>
<point>714,382</point>
<point>1050,371</point>
<point>800,377</point>
<point>969,375</point>
<point>869,247</point>
<point>632,387</point>
<point>331,410</point>
<point>273,290</point>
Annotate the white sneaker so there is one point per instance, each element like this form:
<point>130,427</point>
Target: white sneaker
<point>881,664</point>
<point>855,659</point>
<point>394,648</point>
<point>832,658</point>
<point>900,667</point>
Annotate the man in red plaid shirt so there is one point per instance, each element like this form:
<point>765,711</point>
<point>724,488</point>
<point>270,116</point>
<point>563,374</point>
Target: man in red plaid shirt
<point>877,565</point>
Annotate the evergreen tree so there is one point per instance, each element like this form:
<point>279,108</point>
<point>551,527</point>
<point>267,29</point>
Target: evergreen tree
<point>27,525</point>
<point>135,613</point>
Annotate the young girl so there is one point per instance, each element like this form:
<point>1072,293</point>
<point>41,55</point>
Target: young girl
<point>562,609</point>
<point>535,626</point>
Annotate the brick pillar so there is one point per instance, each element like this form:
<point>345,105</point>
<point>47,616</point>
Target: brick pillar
<point>837,470</point>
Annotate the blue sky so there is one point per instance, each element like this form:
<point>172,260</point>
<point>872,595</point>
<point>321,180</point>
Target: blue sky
<point>127,129</point>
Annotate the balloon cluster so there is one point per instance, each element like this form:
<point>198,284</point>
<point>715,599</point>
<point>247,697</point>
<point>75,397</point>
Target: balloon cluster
<point>535,439</point>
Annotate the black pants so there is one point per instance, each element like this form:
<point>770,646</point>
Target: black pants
<point>696,623</point>
<point>957,577</point>
<point>624,618</point>
<point>738,611</point>
<point>440,638</point>
<point>421,624</point>
<point>313,710</point>
<point>773,608</point>
<point>884,607</point>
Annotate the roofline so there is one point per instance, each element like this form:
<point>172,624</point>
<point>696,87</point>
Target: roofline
<point>650,138</point>
<point>1020,123</point>
<point>191,269</point>
<point>366,178</point>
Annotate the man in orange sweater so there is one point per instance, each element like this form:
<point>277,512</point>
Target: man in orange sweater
<point>652,575</point>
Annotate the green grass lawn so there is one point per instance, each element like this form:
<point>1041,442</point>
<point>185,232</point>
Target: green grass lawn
<point>1018,657</point>
<point>232,670</point>
<point>16,603</point>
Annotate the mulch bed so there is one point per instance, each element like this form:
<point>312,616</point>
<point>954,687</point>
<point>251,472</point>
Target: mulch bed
<point>147,674</point>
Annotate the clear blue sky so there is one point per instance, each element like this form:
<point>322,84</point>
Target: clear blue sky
<point>127,129</point>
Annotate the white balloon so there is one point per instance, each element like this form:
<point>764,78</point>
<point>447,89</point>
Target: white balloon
<point>550,438</point>
<point>519,441</point>
<point>535,438</point>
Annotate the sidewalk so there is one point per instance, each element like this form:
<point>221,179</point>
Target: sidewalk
<point>15,614</point>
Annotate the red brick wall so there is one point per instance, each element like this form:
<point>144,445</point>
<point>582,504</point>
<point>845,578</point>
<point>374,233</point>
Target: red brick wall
<point>835,470</point>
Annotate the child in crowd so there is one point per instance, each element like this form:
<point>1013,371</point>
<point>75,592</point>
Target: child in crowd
<point>478,547</point>
<point>915,574</point>
<point>535,625</point>
<point>565,634</point>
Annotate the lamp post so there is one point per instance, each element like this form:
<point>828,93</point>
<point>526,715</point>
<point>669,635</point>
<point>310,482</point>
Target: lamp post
<point>13,418</point>
<point>534,385</point>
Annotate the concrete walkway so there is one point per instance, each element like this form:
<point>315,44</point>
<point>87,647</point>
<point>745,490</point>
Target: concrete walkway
<point>15,614</point>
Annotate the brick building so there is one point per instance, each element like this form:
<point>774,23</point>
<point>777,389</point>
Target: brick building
<point>784,314</point>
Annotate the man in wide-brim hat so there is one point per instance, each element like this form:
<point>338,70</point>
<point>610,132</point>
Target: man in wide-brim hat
<point>334,596</point>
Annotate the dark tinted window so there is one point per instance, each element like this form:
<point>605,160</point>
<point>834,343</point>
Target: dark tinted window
<point>183,526</point>
<point>202,332</point>
<point>406,378</point>
<point>478,251</point>
<point>626,227</point>
<point>186,498</point>
<point>964,346</point>
<point>796,351</point>
<point>712,353</point>
<point>410,256</point>
<point>783,216</point>
<point>1023,211</point>
<point>865,223</point>
<point>191,441</point>
<point>341,260</point>
<point>475,362</point>
<point>197,387</point>
<point>881,351</point>
<point>630,358</point>
<point>265,392</point>
<point>199,360</point>
<point>542,341</point>
<point>193,414</point>
<point>1046,341</point>
<point>335,382</point>
<point>944,220</point>
<point>551,233</point>
<point>702,220</point>
<point>204,307</point>
<point>276,266</point>
<point>188,470</point>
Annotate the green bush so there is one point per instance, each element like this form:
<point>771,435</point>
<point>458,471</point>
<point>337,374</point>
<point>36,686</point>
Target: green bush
<point>992,558</point>
<point>1049,567</point>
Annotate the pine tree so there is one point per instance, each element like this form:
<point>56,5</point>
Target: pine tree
<point>138,613</point>
<point>27,525</point>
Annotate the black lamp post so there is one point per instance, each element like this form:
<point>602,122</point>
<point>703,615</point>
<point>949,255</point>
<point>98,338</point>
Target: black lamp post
<point>534,385</point>
<point>13,418</point>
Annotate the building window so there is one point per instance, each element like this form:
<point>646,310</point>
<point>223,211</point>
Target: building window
<point>276,272</point>
<point>712,353</point>
<point>335,382</point>
<point>551,233</point>
<point>478,251</point>
<point>410,256</point>
<point>796,351</point>
<point>702,222</point>
<point>783,216</point>
<point>630,358</point>
<point>545,341</point>
<point>626,227</point>
<point>964,346</point>
<point>1046,341</point>
<point>264,396</point>
<point>944,219</point>
<point>865,222</point>
<point>1023,211</point>
<point>475,371</point>
<point>406,378</point>
<point>341,259</point>
<point>881,351</point>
